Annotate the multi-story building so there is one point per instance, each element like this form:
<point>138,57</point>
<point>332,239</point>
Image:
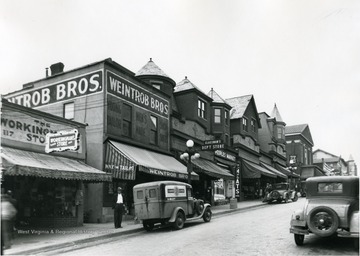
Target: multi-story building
<point>299,144</point>
<point>273,145</point>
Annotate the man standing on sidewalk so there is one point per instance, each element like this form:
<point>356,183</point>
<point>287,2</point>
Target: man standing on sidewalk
<point>118,208</point>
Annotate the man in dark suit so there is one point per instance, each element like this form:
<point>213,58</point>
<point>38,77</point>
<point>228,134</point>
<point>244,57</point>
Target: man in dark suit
<point>118,207</point>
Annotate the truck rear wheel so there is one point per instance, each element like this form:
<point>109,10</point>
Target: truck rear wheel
<point>179,221</point>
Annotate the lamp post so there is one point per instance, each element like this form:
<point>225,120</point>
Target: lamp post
<point>188,155</point>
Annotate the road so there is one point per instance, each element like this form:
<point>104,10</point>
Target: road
<point>260,231</point>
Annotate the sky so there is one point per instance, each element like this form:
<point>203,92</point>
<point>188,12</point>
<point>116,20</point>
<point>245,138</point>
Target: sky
<point>302,55</point>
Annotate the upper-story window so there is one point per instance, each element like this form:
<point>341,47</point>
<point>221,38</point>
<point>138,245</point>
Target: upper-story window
<point>69,110</point>
<point>217,115</point>
<point>201,109</point>
<point>245,124</point>
<point>306,156</point>
<point>127,120</point>
<point>227,117</point>
<point>156,84</point>
<point>252,124</point>
<point>154,130</point>
<point>280,133</point>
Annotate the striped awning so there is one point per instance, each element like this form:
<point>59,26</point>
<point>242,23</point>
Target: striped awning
<point>123,160</point>
<point>254,171</point>
<point>272,169</point>
<point>16,162</point>
<point>211,169</point>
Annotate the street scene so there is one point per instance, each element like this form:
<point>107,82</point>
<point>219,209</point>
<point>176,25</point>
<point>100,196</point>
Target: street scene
<point>179,127</point>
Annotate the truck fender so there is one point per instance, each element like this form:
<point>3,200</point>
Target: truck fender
<point>175,211</point>
<point>206,205</point>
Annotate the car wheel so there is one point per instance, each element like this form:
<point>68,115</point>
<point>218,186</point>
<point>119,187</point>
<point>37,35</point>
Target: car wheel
<point>148,226</point>
<point>323,221</point>
<point>207,215</point>
<point>299,239</point>
<point>179,221</point>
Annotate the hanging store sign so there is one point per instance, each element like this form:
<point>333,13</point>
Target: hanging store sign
<point>64,90</point>
<point>225,155</point>
<point>237,181</point>
<point>62,141</point>
<point>212,145</point>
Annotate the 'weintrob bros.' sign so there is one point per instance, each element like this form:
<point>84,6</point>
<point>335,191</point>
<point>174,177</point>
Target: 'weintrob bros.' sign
<point>64,90</point>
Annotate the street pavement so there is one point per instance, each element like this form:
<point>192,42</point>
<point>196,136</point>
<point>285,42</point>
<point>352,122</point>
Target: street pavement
<point>35,241</point>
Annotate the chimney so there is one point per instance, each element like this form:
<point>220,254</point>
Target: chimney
<point>57,68</point>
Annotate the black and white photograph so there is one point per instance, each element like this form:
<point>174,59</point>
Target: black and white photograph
<point>183,127</point>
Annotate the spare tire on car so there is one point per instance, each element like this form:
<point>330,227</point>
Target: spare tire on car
<point>323,221</point>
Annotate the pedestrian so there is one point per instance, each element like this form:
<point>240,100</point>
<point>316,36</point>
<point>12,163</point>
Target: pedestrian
<point>8,212</point>
<point>267,190</point>
<point>119,200</point>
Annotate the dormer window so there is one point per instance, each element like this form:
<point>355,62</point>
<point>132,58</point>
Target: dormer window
<point>245,124</point>
<point>156,84</point>
<point>201,109</point>
<point>252,124</point>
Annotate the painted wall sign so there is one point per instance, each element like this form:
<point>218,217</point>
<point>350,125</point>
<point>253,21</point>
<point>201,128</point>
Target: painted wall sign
<point>19,127</point>
<point>64,90</point>
<point>62,141</point>
<point>135,94</point>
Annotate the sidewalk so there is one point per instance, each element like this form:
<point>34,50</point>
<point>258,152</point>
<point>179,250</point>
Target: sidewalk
<point>30,242</point>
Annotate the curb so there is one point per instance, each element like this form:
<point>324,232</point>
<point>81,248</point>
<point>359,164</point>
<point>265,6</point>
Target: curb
<point>78,243</point>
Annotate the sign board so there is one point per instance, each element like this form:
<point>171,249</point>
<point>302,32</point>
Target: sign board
<point>237,181</point>
<point>212,145</point>
<point>62,141</point>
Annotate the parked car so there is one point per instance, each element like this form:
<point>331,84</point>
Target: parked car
<point>168,202</point>
<point>331,208</point>
<point>281,192</point>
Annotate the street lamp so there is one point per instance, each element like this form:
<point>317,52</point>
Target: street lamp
<point>188,155</point>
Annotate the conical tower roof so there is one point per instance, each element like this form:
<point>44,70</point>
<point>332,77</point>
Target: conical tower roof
<point>276,114</point>
<point>151,69</point>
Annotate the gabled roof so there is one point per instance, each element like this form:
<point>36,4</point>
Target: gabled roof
<point>216,98</point>
<point>152,69</point>
<point>239,105</point>
<point>295,129</point>
<point>186,85</point>
<point>299,129</point>
<point>276,114</point>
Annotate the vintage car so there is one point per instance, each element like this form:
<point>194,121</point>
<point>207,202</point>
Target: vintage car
<point>331,208</point>
<point>281,192</point>
<point>168,202</point>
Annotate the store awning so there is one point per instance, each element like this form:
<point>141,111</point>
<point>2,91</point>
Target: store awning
<point>251,171</point>
<point>122,161</point>
<point>272,169</point>
<point>286,171</point>
<point>211,169</point>
<point>17,162</point>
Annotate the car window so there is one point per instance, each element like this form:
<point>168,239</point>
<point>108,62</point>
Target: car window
<point>140,194</point>
<point>152,193</point>
<point>330,187</point>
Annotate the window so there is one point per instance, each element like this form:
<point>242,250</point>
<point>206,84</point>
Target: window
<point>156,84</point>
<point>252,124</point>
<point>140,194</point>
<point>154,130</point>
<point>280,132</point>
<point>245,124</point>
<point>69,110</point>
<point>336,187</point>
<point>127,120</point>
<point>217,115</point>
<point>201,109</point>
<point>152,193</point>
<point>306,156</point>
<point>227,117</point>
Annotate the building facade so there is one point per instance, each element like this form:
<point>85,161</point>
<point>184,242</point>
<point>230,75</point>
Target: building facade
<point>47,175</point>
